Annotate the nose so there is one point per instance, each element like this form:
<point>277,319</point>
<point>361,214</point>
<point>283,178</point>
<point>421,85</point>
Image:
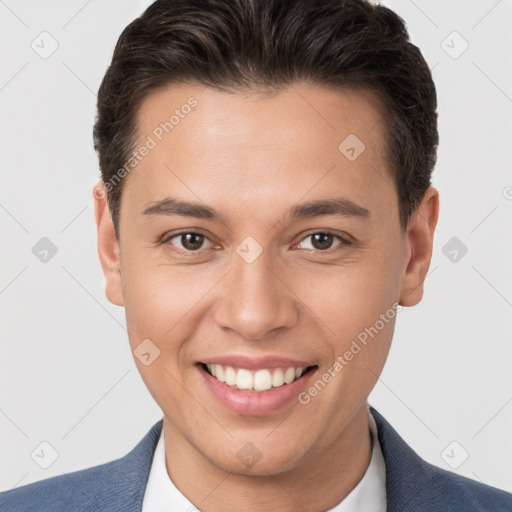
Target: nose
<point>257,301</point>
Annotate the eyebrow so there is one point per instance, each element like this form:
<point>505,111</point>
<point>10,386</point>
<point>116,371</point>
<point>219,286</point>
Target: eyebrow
<point>339,207</point>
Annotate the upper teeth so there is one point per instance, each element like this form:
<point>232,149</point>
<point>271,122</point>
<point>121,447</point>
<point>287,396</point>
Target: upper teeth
<point>260,380</point>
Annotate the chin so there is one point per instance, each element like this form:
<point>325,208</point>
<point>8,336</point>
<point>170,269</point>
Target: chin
<point>249,460</point>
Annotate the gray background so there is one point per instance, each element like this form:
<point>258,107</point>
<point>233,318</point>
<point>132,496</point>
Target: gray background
<point>67,375</point>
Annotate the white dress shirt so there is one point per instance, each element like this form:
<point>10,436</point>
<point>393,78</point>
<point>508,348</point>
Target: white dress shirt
<point>369,495</point>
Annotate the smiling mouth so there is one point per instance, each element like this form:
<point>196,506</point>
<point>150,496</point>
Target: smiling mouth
<point>260,380</point>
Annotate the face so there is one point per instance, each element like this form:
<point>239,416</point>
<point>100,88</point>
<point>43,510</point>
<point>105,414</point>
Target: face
<point>260,241</point>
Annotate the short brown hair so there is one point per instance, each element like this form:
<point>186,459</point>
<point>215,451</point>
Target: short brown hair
<point>267,44</point>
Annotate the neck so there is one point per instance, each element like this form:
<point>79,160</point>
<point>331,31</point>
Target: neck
<point>316,485</point>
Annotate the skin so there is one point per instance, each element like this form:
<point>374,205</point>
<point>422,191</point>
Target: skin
<point>252,158</point>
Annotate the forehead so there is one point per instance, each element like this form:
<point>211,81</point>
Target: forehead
<point>301,110</point>
<point>303,137</point>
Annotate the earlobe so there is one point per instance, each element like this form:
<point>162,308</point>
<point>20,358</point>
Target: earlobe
<point>108,247</point>
<point>419,243</point>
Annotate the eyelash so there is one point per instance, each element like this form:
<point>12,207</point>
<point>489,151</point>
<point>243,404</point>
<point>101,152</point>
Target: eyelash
<point>343,241</point>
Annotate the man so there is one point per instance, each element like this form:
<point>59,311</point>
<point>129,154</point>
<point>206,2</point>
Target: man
<point>264,211</point>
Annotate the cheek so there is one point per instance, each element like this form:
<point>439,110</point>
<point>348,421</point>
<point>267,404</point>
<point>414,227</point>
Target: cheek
<point>352,296</point>
<point>147,306</point>
<point>163,304</point>
<point>356,306</point>
<point>156,304</point>
<point>153,292</point>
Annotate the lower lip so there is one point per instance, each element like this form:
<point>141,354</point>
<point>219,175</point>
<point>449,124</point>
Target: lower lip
<point>255,403</point>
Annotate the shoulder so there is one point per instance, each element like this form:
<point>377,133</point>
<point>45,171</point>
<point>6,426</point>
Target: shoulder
<point>414,485</point>
<point>63,492</point>
<point>475,496</point>
<point>115,485</point>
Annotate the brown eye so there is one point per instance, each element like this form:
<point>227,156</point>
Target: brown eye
<point>191,241</point>
<point>323,241</point>
<point>188,241</point>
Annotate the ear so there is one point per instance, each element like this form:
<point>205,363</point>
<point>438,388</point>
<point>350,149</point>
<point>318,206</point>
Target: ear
<point>419,239</point>
<point>108,247</point>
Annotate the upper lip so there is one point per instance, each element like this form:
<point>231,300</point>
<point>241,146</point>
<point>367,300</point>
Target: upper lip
<point>256,363</point>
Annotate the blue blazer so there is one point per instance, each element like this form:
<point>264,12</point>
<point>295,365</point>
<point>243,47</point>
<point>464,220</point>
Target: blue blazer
<point>412,484</point>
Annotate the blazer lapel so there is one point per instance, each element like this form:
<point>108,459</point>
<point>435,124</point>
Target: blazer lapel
<point>410,481</point>
<point>122,482</point>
